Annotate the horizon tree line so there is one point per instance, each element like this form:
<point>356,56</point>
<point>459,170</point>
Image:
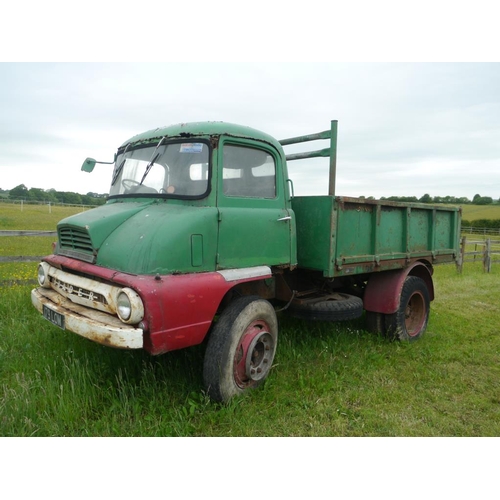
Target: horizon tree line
<point>21,192</point>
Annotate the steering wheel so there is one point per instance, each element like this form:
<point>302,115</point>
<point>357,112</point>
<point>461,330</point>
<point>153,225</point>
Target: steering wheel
<point>129,184</point>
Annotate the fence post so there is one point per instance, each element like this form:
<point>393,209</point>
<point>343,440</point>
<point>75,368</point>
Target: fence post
<point>487,256</point>
<point>460,263</point>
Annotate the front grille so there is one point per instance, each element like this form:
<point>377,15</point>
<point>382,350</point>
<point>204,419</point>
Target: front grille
<point>75,242</point>
<point>73,291</point>
<point>75,239</point>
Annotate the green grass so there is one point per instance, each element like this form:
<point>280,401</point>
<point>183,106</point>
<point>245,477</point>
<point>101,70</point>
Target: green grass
<point>26,245</point>
<point>31,217</point>
<point>474,212</point>
<point>18,272</point>
<point>327,380</point>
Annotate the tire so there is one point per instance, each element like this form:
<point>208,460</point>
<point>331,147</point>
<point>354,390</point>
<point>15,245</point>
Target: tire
<point>240,349</point>
<point>409,322</point>
<point>337,307</point>
<point>375,322</point>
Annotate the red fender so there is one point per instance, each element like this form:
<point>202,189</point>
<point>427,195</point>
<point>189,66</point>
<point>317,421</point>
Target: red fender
<point>383,291</point>
<point>179,309</point>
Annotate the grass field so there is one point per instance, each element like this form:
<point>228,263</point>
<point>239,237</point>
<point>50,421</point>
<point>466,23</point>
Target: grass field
<point>327,380</point>
<point>42,217</point>
<point>475,212</point>
<point>34,217</point>
<point>28,217</point>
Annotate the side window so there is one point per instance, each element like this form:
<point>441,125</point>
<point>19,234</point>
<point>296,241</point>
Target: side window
<point>248,172</point>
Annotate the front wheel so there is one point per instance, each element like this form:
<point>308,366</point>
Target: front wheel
<point>410,320</point>
<point>241,348</point>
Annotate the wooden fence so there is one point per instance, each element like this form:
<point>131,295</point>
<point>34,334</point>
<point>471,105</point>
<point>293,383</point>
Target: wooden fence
<point>24,258</point>
<point>486,251</point>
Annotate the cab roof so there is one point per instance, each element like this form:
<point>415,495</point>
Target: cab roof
<point>201,129</point>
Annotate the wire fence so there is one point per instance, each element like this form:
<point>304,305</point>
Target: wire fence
<point>485,231</point>
<point>49,204</point>
<point>485,250</point>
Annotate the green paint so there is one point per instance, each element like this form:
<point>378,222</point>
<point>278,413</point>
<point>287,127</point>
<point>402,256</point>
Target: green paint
<point>341,236</point>
<point>246,217</point>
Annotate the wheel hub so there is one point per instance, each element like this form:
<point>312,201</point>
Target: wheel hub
<point>415,314</point>
<point>254,354</point>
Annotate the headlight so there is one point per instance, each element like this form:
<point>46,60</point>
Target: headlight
<point>123,306</point>
<point>43,275</point>
<point>129,306</point>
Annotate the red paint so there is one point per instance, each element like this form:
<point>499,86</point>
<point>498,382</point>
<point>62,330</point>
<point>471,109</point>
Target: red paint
<point>240,358</point>
<point>179,309</point>
<point>383,291</point>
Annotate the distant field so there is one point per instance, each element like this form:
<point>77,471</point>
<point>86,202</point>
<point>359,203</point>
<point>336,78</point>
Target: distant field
<point>40,217</point>
<point>45,219</point>
<point>474,212</point>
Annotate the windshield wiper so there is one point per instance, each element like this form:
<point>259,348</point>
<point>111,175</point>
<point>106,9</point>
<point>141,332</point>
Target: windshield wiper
<point>118,171</point>
<point>148,168</point>
<point>152,160</point>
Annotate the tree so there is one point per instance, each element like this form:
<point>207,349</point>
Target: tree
<point>71,198</point>
<point>19,192</point>
<point>426,198</point>
<point>37,194</point>
<point>484,200</point>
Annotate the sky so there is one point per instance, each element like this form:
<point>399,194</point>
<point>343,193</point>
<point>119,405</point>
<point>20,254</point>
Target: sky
<point>404,129</point>
<point>409,124</point>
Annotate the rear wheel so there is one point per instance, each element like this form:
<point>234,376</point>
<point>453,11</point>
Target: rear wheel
<point>375,322</point>
<point>241,348</point>
<point>410,320</point>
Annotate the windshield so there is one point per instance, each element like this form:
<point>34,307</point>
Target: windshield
<point>175,169</point>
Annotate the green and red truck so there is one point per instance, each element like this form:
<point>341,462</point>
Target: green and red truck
<point>201,235</point>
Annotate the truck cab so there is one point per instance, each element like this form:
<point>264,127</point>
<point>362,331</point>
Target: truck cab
<point>191,198</point>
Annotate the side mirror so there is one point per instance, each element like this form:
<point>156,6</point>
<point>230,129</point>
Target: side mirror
<point>88,165</point>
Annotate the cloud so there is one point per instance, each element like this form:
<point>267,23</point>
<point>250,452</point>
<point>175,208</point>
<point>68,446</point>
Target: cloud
<point>403,128</point>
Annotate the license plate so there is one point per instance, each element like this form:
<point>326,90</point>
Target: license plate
<point>53,316</point>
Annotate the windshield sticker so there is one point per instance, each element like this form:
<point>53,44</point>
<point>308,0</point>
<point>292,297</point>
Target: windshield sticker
<point>191,147</point>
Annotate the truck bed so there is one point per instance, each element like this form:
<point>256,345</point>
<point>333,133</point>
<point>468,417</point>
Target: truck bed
<point>341,236</point>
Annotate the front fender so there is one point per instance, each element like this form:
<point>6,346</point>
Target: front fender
<point>179,309</point>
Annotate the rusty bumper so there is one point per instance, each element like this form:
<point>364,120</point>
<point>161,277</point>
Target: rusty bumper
<point>94,325</point>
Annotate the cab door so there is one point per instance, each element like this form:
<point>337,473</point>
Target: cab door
<point>254,223</point>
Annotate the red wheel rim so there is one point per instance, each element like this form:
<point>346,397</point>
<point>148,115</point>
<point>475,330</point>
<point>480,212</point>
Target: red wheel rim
<point>254,354</point>
<point>415,314</point>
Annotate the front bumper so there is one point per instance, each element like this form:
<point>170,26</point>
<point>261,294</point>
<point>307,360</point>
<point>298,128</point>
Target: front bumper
<point>94,325</point>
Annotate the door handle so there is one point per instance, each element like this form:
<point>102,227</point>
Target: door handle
<point>288,217</point>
